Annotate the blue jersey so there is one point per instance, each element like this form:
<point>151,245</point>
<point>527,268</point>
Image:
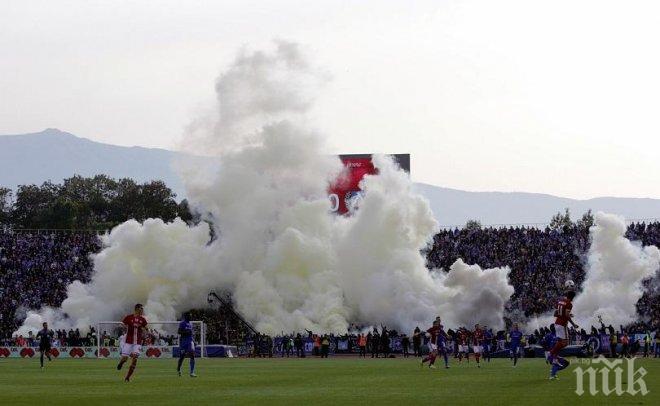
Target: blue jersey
<point>548,341</point>
<point>186,334</point>
<point>441,338</point>
<point>488,337</point>
<point>516,336</point>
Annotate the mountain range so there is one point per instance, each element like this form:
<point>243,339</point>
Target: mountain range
<point>54,155</point>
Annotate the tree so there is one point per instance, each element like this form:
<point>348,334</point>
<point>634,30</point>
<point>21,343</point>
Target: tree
<point>93,198</point>
<point>473,225</point>
<point>125,205</point>
<point>561,221</point>
<point>587,220</point>
<point>157,201</point>
<point>32,208</point>
<point>5,205</point>
<point>99,202</point>
<point>62,214</point>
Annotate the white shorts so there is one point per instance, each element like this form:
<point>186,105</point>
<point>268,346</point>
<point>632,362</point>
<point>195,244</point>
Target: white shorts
<point>476,349</point>
<point>129,349</point>
<point>463,348</point>
<point>561,332</point>
<point>432,347</point>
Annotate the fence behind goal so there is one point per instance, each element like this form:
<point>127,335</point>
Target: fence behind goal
<point>162,340</point>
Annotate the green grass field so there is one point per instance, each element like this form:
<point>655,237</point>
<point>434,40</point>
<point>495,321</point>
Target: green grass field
<point>294,381</point>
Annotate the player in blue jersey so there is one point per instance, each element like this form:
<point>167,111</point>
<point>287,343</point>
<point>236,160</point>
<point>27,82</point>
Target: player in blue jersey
<point>441,341</point>
<point>548,342</point>
<point>516,337</point>
<point>488,339</point>
<point>186,345</point>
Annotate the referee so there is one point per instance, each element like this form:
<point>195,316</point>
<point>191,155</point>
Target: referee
<point>45,337</point>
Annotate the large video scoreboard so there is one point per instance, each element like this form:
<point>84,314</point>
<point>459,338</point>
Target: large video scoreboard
<point>345,193</point>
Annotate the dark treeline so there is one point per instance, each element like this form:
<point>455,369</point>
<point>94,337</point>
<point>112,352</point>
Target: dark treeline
<point>98,203</point>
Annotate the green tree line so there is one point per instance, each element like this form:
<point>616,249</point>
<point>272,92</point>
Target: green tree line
<point>98,202</point>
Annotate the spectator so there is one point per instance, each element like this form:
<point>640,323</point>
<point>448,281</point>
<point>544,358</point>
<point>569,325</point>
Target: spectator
<point>417,342</point>
<point>613,341</point>
<point>625,342</point>
<point>385,343</point>
<point>362,344</point>
<point>405,345</point>
<point>325,346</point>
<point>298,342</point>
<point>375,342</point>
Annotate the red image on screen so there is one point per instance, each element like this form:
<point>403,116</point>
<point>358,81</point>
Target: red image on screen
<point>345,192</point>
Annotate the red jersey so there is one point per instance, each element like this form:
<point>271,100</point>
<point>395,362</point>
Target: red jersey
<point>563,311</point>
<point>134,331</point>
<point>462,338</point>
<point>477,336</point>
<point>434,333</point>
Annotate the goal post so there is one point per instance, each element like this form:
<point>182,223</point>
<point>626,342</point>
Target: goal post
<point>161,341</point>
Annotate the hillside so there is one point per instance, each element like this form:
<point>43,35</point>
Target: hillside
<point>54,154</point>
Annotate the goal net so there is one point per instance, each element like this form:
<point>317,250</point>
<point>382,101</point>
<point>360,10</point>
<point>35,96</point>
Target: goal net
<point>161,341</point>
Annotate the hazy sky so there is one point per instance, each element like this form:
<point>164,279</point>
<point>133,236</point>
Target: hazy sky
<point>559,97</point>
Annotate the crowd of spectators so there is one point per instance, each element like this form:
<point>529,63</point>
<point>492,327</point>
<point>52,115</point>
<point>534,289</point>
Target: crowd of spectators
<point>649,304</point>
<point>541,260</point>
<point>36,267</point>
<point>73,338</point>
<point>384,343</point>
<point>61,338</point>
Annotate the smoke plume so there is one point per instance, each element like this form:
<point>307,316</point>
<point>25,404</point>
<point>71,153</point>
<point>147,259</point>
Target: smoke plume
<point>615,270</point>
<point>289,263</point>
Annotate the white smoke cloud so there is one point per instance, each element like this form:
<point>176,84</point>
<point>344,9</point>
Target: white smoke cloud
<point>289,263</point>
<point>615,270</point>
<point>478,296</point>
<point>617,266</point>
<point>259,87</point>
<point>161,265</point>
<point>385,276</point>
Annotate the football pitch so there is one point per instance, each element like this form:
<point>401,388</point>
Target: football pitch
<point>344,380</point>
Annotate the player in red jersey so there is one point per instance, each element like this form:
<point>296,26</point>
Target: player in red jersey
<point>564,317</point>
<point>463,348</point>
<point>433,348</point>
<point>477,340</point>
<point>135,334</point>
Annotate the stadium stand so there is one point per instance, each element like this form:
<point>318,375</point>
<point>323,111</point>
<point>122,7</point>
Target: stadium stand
<point>36,267</point>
